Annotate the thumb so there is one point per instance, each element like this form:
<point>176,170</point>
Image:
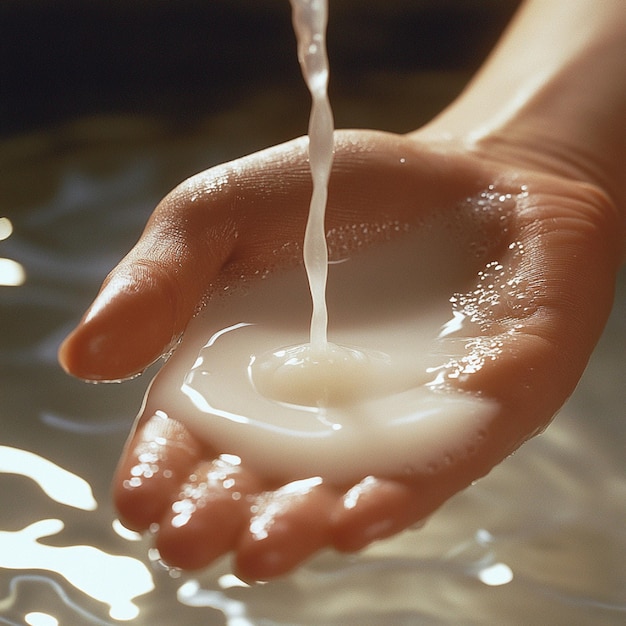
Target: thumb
<point>147,300</point>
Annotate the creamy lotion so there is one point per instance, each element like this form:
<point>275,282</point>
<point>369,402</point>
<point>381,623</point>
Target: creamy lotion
<point>377,410</point>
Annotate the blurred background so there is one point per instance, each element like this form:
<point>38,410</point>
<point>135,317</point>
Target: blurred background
<point>70,58</point>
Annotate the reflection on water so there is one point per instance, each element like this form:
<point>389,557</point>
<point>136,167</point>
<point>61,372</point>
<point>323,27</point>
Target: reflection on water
<point>36,618</point>
<point>541,540</point>
<point>58,484</point>
<point>81,566</point>
<point>12,273</point>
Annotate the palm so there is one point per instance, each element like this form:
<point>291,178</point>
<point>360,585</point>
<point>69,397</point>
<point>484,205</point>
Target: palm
<point>556,249</point>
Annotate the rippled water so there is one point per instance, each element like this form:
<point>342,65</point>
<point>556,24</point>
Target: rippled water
<point>540,541</point>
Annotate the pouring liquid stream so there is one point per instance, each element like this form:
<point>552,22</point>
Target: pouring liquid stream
<point>310,19</point>
<point>311,373</point>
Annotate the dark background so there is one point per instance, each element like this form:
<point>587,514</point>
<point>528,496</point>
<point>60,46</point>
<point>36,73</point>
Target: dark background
<point>63,59</point>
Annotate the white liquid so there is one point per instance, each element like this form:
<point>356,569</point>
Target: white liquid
<point>309,22</point>
<point>390,303</point>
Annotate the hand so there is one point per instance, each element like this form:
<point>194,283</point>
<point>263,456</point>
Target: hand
<point>230,220</point>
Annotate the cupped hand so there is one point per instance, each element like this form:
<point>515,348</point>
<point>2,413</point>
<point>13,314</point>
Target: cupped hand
<point>559,248</point>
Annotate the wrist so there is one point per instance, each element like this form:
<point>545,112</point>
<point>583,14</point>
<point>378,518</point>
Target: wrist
<point>552,96</point>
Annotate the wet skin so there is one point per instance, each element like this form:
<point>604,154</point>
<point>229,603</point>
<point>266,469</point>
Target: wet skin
<point>230,221</point>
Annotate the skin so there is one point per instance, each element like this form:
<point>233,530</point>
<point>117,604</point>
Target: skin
<point>550,126</point>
